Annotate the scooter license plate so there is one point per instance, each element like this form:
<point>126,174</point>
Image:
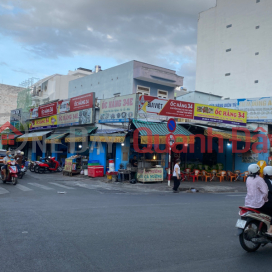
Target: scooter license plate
<point>13,168</point>
<point>241,224</point>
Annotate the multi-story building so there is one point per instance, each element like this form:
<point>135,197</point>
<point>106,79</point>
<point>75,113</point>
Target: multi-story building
<point>128,78</point>
<point>234,50</point>
<point>8,96</point>
<point>55,86</point>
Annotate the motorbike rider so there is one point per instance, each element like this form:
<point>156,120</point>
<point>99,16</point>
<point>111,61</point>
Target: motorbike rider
<point>18,159</point>
<point>6,160</point>
<point>257,193</point>
<point>268,180</point>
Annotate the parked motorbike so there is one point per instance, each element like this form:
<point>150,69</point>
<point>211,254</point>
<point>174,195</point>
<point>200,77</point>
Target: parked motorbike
<point>32,165</point>
<point>11,175</point>
<point>252,228</point>
<point>51,164</point>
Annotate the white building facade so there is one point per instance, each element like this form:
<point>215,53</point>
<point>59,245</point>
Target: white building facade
<point>56,86</point>
<point>234,53</point>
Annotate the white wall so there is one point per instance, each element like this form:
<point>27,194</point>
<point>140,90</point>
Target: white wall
<point>213,62</point>
<point>196,97</point>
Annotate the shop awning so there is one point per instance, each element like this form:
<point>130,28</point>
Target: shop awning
<point>228,135</point>
<point>55,138</point>
<point>34,136</point>
<point>162,130</point>
<point>79,135</point>
<point>109,138</point>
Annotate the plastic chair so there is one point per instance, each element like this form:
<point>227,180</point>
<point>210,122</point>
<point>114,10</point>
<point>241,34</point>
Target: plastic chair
<point>244,175</point>
<point>187,173</point>
<point>205,175</point>
<point>213,174</point>
<point>230,176</point>
<point>195,174</point>
<point>222,175</point>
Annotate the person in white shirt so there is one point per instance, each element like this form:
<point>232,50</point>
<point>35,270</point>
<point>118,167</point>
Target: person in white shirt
<point>176,176</point>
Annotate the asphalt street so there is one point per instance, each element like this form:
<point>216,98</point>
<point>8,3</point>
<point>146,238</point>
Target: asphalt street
<point>54,223</point>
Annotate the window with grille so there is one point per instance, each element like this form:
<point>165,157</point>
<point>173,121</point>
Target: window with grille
<point>162,94</point>
<point>143,90</point>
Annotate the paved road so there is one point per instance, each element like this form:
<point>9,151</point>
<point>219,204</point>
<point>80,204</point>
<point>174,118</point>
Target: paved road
<point>94,228</point>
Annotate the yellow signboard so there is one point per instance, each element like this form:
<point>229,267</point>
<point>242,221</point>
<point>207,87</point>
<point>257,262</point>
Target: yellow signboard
<point>108,139</point>
<point>220,115</point>
<point>47,122</point>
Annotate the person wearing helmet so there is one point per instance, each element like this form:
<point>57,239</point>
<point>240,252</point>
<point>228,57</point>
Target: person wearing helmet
<point>5,160</point>
<point>257,193</point>
<point>268,180</point>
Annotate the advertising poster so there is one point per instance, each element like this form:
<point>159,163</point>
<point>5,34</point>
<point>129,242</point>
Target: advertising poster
<point>118,109</point>
<point>82,102</point>
<point>149,105</point>
<point>47,110</point>
<point>63,106</point>
<point>15,115</point>
<point>220,115</point>
<point>43,123</point>
<point>75,118</point>
<point>258,109</point>
<point>34,113</point>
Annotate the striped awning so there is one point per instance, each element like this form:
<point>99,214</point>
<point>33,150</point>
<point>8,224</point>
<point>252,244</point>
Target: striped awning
<point>31,137</point>
<point>55,138</point>
<point>228,135</point>
<point>79,135</point>
<point>159,133</point>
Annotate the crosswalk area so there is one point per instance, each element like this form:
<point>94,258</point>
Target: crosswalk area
<point>53,187</point>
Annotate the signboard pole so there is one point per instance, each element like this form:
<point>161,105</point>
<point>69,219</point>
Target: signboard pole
<point>169,167</point>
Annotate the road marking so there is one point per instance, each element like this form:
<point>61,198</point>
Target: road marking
<point>62,186</point>
<point>237,195</point>
<point>3,191</point>
<point>23,188</point>
<point>41,186</point>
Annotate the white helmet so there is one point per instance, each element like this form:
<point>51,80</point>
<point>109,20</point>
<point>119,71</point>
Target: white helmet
<point>267,170</point>
<point>253,169</point>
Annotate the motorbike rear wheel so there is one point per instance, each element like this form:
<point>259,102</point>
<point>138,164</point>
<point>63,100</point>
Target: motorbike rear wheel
<point>14,180</point>
<point>250,231</point>
<point>31,168</point>
<point>36,168</point>
<point>41,170</point>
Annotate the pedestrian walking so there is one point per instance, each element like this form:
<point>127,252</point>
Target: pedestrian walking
<point>176,176</point>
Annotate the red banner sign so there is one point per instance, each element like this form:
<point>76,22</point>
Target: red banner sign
<point>173,108</point>
<point>48,110</point>
<point>82,102</point>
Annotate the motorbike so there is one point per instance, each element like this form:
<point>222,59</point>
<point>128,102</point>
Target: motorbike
<point>32,165</point>
<point>252,228</point>
<point>22,171</point>
<point>11,175</point>
<point>50,164</point>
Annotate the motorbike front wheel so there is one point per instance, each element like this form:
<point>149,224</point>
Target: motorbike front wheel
<point>36,168</point>
<point>59,169</point>
<point>31,168</point>
<point>14,180</point>
<point>41,170</point>
<point>250,231</point>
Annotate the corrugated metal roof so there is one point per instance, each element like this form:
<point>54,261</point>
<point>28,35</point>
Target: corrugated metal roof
<point>159,128</point>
